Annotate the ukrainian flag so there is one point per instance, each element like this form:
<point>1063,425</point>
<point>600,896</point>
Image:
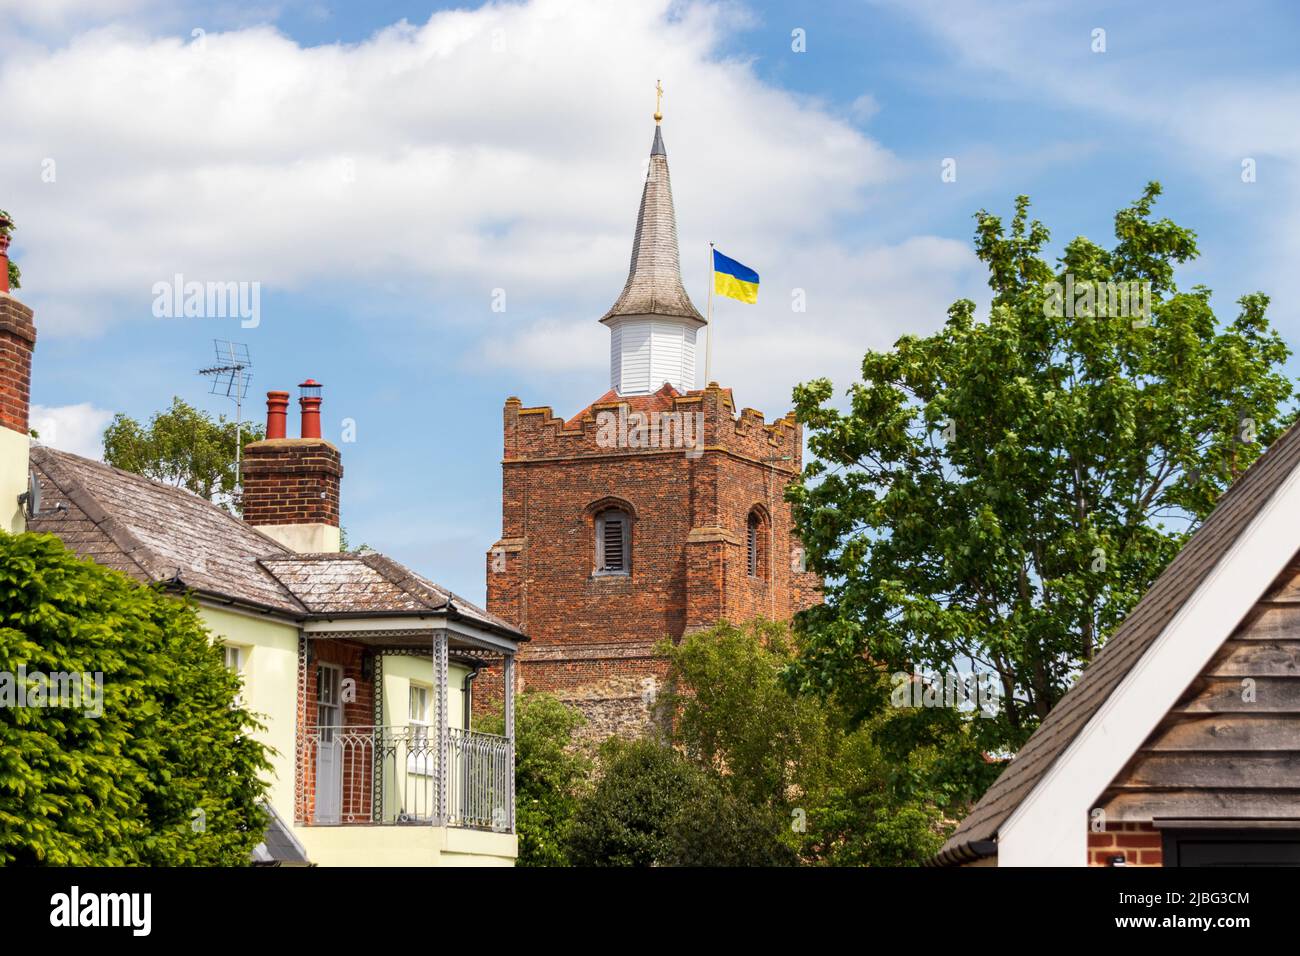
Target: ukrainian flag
<point>734,280</point>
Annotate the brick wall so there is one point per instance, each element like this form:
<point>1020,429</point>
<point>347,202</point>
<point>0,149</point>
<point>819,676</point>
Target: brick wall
<point>592,635</point>
<point>292,481</point>
<point>1140,843</point>
<point>359,711</point>
<point>17,342</point>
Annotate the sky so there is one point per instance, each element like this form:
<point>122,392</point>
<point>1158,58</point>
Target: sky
<point>436,202</point>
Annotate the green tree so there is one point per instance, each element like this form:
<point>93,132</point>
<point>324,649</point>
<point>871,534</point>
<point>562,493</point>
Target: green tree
<point>835,792</point>
<point>6,229</point>
<point>733,715</point>
<point>550,772</point>
<point>625,819</point>
<point>714,827</point>
<point>164,773</point>
<point>999,494</point>
<point>183,447</point>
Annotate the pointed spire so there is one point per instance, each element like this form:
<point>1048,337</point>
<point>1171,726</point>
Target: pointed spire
<point>654,278</point>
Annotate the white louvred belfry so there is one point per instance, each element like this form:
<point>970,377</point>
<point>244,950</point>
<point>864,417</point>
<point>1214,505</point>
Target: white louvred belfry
<point>653,324</point>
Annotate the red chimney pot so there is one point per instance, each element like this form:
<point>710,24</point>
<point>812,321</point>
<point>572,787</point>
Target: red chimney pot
<point>277,407</point>
<point>309,399</point>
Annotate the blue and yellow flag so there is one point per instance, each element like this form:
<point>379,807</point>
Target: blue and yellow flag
<point>734,280</point>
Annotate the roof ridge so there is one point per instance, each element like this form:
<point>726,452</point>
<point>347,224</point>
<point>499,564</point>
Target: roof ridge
<point>165,488</point>
<point>403,577</point>
<point>47,459</point>
<point>60,467</point>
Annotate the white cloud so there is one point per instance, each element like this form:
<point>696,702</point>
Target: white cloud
<point>452,150</point>
<point>75,428</point>
<point>864,107</point>
<point>502,147</point>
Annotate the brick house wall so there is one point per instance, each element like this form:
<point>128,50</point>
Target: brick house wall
<point>357,805</point>
<point>1140,844</point>
<point>592,636</point>
<point>17,342</point>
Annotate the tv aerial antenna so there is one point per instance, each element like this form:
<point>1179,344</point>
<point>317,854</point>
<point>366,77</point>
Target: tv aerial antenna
<point>230,377</point>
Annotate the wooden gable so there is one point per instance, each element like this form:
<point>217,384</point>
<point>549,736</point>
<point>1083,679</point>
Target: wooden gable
<point>1229,749</point>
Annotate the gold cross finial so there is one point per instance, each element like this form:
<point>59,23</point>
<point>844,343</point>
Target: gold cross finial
<point>659,101</point>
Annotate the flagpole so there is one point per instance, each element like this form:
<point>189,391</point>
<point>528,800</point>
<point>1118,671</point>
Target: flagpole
<point>708,331</point>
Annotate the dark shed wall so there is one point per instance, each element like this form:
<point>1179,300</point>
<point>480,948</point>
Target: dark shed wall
<point>1230,748</point>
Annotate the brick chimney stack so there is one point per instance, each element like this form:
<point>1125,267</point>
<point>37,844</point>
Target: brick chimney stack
<point>291,485</point>
<point>17,342</point>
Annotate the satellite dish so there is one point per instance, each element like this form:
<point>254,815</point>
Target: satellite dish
<point>31,498</point>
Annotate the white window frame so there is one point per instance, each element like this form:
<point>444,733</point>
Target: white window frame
<point>235,656</point>
<point>419,763</point>
<point>323,668</point>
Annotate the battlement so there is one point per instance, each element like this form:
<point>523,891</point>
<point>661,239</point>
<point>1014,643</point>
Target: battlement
<point>696,423</point>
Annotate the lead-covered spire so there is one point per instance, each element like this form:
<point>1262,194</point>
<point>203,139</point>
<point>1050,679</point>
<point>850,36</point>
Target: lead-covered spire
<point>654,278</point>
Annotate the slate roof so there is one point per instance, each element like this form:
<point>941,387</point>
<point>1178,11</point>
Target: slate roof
<point>279,847</point>
<point>154,532</point>
<point>1193,564</point>
<point>654,278</point>
<point>350,584</point>
<point>159,534</point>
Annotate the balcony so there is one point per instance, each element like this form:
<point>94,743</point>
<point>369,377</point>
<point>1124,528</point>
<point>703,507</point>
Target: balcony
<point>393,776</point>
<point>384,735</point>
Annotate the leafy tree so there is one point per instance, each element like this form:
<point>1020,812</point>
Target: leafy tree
<point>714,827</point>
<point>878,808</point>
<point>6,228</point>
<point>654,807</point>
<point>836,793</point>
<point>999,494</point>
<point>550,772</point>
<point>733,714</point>
<point>183,447</point>
<point>165,774</point>
<point>625,819</point>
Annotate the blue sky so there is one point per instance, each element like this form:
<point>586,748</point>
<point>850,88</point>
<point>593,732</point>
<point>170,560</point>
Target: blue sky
<point>382,168</point>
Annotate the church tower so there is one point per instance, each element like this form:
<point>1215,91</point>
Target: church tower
<point>656,510</point>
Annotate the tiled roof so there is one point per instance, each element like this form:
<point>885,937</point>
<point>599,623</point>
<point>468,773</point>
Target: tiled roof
<point>350,583</point>
<point>660,401</point>
<point>156,533</point>
<point>279,847</point>
<point>654,278</point>
<point>1193,564</point>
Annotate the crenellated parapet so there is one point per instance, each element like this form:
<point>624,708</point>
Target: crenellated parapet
<point>662,422</point>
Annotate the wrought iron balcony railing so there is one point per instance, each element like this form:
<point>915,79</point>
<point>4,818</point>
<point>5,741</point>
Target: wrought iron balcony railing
<point>394,775</point>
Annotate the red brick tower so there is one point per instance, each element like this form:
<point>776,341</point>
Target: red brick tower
<point>655,511</point>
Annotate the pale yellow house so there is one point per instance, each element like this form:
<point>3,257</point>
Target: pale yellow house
<point>360,669</point>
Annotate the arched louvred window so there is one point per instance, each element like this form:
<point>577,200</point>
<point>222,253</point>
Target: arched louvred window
<point>613,542</point>
<point>756,544</point>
